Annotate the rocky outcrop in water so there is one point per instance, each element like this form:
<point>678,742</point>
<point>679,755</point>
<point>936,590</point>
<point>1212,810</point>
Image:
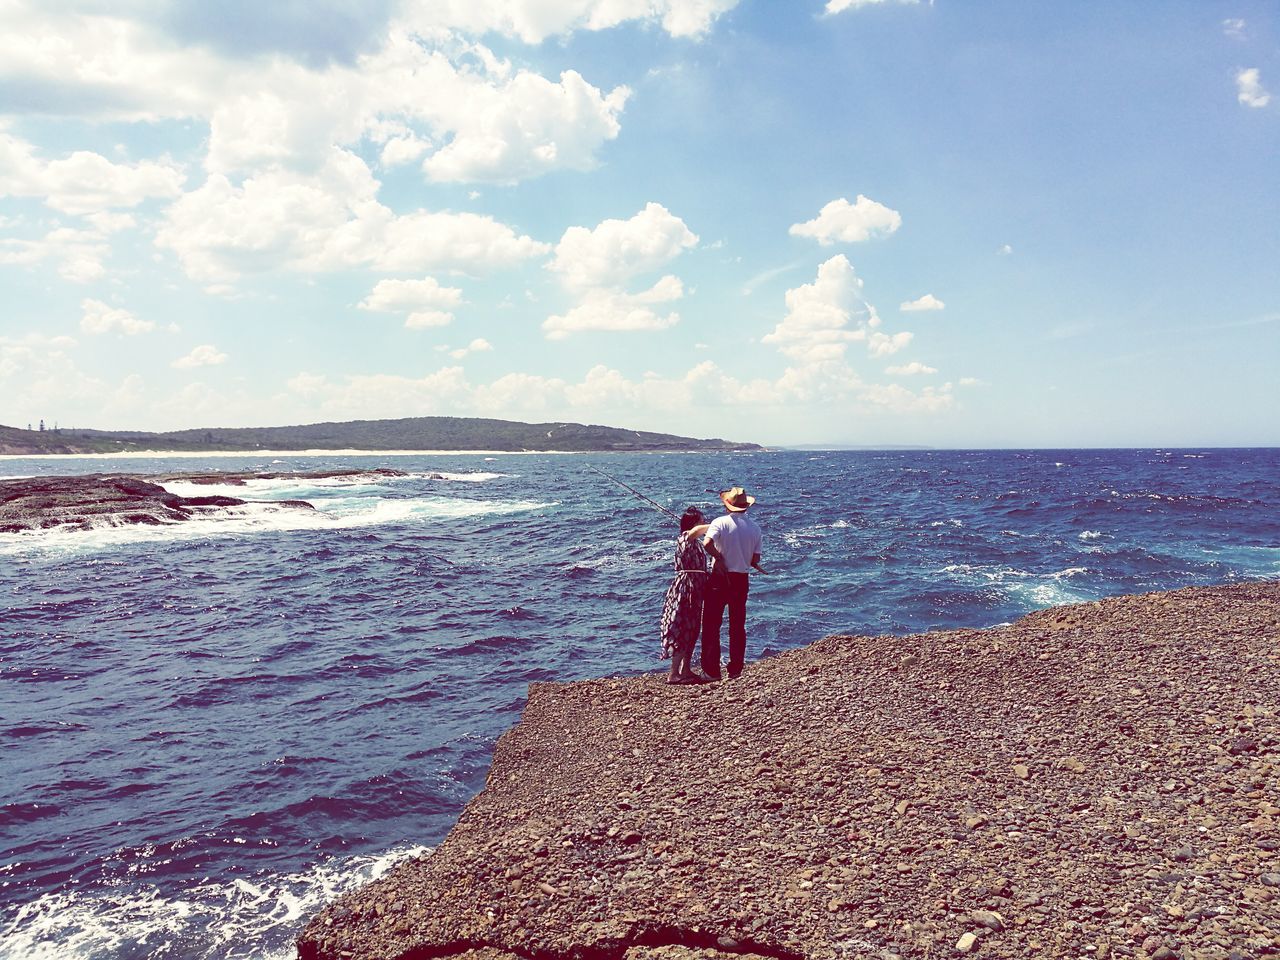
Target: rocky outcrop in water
<point>1097,780</point>
<point>40,503</point>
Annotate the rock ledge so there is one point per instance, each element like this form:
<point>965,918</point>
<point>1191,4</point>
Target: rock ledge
<point>1096,780</point>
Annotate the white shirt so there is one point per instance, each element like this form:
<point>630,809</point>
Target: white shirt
<point>737,537</point>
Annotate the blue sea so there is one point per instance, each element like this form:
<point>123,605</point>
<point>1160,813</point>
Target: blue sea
<point>210,729</point>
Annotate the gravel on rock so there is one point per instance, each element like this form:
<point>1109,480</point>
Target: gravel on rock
<point>1099,780</point>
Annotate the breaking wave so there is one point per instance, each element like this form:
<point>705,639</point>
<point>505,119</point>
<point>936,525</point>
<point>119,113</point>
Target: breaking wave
<point>253,919</point>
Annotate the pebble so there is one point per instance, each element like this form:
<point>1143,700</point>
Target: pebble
<point>966,942</point>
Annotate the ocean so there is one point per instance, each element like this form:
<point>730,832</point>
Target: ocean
<point>212,728</point>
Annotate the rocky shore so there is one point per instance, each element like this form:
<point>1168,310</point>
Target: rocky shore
<point>83,502</point>
<point>1092,781</point>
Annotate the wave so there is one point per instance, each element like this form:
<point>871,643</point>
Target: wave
<point>254,919</point>
<point>1042,589</point>
<point>296,488</point>
<point>332,513</point>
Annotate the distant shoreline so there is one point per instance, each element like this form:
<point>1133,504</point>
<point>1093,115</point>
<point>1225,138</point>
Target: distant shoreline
<point>152,454</point>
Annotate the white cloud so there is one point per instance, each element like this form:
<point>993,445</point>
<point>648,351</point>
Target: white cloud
<point>618,250</point>
<point>884,344</point>
<point>205,355</point>
<point>604,393</point>
<point>596,264</point>
<point>614,310</point>
<point>478,345</point>
<point>78,253</point>
<point>927,302</point>
<point>816,327</point>
<point>1249,89</point>
<point>472,115</point>
<point>839,6</point>
<point>402,150</point>
<point>411,296</point>
<point>534,20</point>
<point>326,220</point>
<point>82,182</point>
<point>1004,250</point>
<point>912,369</point>
<point>972,382</point>
<point>522,129</point>
<point>1234,27</point>
<point>422,319</point>
<point>845,222</point>
<point>99,317</point>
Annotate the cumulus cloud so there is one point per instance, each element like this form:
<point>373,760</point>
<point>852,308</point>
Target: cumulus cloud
<point>1249,89</point>
<point>845,222</point>
<point>927,302</point>
<point>469,114</point>
<point>839,6</point>
<point>596,265</point>
<point>330,219</point>
<point>884,344</point>
<point>912,369</point>
<point>615,251</point>
<point>1004,250</point>
<point>478,345</point>
<point>205,355</point>
<point>78,253</point>
<point>98,318</point>
<point>604,393</point>
<point>82,182</point>
<point>817,324</point>
<point>534,20</point>
<point>615,310</point>
<point>425,301</point>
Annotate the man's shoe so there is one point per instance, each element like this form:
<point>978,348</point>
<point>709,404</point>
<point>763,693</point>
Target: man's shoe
<point>735,672</point>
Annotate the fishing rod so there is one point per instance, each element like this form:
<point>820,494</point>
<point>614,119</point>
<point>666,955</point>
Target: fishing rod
<point>652,503</point>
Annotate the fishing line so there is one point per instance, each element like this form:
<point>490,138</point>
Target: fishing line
<point>647,500</point>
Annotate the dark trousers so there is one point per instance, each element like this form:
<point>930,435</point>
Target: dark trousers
<point>727,590</point>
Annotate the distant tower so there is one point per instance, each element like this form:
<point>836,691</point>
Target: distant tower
<point>28,428</point>
<point>42,426</point>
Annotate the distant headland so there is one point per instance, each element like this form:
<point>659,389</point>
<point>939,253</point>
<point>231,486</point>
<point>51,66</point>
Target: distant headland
<point>402,435</point>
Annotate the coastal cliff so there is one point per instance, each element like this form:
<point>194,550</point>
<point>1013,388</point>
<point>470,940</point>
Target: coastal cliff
<point>1094,780</point>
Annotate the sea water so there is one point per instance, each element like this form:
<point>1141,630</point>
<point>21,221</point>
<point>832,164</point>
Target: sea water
<point>212,728</point>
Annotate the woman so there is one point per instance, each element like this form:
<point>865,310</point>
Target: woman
<point>682,609</point>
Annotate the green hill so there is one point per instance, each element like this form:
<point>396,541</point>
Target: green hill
<point>412,433</point>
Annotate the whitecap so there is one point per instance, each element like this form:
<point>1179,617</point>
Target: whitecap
<point>253,919</point>
<point>1090,534</point>
<point>333,513</point>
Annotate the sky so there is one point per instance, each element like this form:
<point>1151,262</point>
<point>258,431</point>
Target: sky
<point>810,222</point>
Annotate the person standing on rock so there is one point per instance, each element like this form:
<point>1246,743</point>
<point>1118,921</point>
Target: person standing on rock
<point>682,608</point>
<point>733,541</point>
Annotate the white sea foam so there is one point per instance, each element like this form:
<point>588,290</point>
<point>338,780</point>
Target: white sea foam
<point>331,513</point>
<point>299,488</point>
<point>1090,534</point>
<point>1043,589</point>
<point>250,920</point>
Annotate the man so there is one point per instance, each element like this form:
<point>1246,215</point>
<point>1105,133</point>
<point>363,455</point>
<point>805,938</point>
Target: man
<point>733,541</point>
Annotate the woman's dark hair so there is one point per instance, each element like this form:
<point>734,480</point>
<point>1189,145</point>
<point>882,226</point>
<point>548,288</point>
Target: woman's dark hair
<point>692,517</point>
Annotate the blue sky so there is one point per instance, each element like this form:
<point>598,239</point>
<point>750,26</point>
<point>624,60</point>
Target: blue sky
<point>841,222</point>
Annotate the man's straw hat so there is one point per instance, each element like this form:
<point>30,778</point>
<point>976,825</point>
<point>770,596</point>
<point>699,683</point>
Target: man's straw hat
<point>736,499</point>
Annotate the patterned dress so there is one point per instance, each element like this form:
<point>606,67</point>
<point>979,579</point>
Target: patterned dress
<point>682,609</point>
